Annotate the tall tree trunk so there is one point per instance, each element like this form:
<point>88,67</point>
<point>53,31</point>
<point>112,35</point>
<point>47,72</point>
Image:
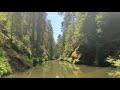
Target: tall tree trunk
<point>33,33</point>
<point>11,29</point>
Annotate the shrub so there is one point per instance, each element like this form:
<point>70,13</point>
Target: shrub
<point>27,60</point>
<point>115,62</point>
<point>61,58</point>
<point>4,65</point>
<point>69,60</point>
<point>75,61</point>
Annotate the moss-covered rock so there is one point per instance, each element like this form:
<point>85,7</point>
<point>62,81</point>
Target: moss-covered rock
<point>16,60</point>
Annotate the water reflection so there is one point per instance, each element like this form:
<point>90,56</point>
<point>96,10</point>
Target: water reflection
<point>60,69</point>
<point>69,70</point>
<point>115,73</point>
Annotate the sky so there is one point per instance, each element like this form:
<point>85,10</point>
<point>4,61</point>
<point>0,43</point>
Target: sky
<point>56,23</point>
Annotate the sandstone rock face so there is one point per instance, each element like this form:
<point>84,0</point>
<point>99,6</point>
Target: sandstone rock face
<point>15,59</point>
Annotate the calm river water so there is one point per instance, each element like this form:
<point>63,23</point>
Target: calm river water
<point>60,69</point>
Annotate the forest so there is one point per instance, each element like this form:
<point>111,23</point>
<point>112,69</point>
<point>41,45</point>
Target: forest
<point>88,38</point>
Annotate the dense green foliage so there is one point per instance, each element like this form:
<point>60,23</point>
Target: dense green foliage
<point>94,36</point>
<point>25,37</point>
<point>4,65</point>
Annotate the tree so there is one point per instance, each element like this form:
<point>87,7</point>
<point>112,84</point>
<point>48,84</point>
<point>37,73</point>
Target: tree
<point>90,33</point>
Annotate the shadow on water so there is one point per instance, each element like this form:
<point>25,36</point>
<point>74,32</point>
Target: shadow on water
<point>61,69</point>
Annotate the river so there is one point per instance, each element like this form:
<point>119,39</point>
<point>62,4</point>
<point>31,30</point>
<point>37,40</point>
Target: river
<point>60,69</point>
